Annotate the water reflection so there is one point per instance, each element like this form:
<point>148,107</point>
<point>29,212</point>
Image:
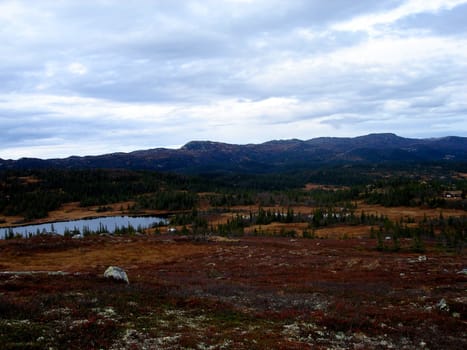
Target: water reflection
<point>109,224</point>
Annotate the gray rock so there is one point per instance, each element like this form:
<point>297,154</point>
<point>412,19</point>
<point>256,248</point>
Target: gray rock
<point>443,305</point>
<point>116,273</point>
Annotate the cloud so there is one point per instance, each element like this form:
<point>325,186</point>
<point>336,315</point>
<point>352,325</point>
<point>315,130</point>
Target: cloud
<point>116,76</point>
<point>77,68</point>
<point>408,8</point>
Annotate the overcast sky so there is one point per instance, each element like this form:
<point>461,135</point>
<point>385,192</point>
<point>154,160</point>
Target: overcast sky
<point>99,76</point>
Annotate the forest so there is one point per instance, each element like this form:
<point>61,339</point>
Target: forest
<point>193,200</point>
<point>33,193</point>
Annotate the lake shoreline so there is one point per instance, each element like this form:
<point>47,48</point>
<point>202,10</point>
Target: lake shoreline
<point>73,211</point>
<point>103,224</point>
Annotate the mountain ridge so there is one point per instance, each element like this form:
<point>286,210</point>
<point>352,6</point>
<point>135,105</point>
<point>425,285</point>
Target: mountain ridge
<point>274,155</point>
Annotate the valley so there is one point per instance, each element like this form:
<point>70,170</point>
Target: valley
<point>345,256</point>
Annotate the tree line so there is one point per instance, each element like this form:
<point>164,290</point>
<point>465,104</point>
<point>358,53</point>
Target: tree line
<point>34,193</point>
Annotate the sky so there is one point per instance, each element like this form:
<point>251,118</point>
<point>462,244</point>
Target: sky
<point>100,76</point>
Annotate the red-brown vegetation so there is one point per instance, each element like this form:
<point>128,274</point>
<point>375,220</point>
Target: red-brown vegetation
<point>248,293</point>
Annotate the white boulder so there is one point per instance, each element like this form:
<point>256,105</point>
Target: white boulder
<point>116,273</point>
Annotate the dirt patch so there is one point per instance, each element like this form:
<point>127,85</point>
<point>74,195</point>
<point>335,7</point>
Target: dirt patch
<point>311,186</point>
<point>344,232</point>
<point>49,254</point>
<point>395,213</point>
<point>276,229</point>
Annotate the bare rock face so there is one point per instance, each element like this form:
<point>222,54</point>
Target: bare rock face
<point>116,273</point>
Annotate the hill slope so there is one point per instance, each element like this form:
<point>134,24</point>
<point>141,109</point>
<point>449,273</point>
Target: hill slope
<point>206,156</point>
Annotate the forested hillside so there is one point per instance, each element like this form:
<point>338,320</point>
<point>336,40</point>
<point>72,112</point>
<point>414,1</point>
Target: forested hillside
<point>33,193</point>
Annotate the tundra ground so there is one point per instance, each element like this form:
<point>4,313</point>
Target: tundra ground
<point>244,293</point>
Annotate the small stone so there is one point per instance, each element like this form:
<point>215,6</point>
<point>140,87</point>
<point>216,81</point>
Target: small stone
<point>442,305</point>
<point>340,336</point>
<point>116,273</point>
<point>422,258</point>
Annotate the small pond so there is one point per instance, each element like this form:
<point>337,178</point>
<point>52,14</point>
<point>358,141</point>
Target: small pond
<point>110,224</point>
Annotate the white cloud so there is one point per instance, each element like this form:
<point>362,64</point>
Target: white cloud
<point>77,68</point>
<point>108,75</point>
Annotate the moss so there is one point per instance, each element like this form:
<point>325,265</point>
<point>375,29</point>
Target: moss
<point>22,334</point>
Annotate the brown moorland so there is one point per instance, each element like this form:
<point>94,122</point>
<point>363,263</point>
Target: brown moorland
<point>246,293</point>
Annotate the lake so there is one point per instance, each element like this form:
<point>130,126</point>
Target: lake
<point>109,224</point>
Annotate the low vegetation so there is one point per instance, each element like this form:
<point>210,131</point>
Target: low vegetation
<point>247,293</point>
<point>338,257</point>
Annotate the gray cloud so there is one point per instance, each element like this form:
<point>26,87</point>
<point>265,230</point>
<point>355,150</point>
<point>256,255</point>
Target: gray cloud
<point>116,76</point>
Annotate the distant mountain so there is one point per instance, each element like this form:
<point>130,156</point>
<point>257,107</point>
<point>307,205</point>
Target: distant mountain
<point>279,155</point>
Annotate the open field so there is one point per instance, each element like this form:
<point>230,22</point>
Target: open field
<point>247,293</point>
<point>395,213</point>
<point>73,211</point>
<point>308,267</point>
<point>415,214</point>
